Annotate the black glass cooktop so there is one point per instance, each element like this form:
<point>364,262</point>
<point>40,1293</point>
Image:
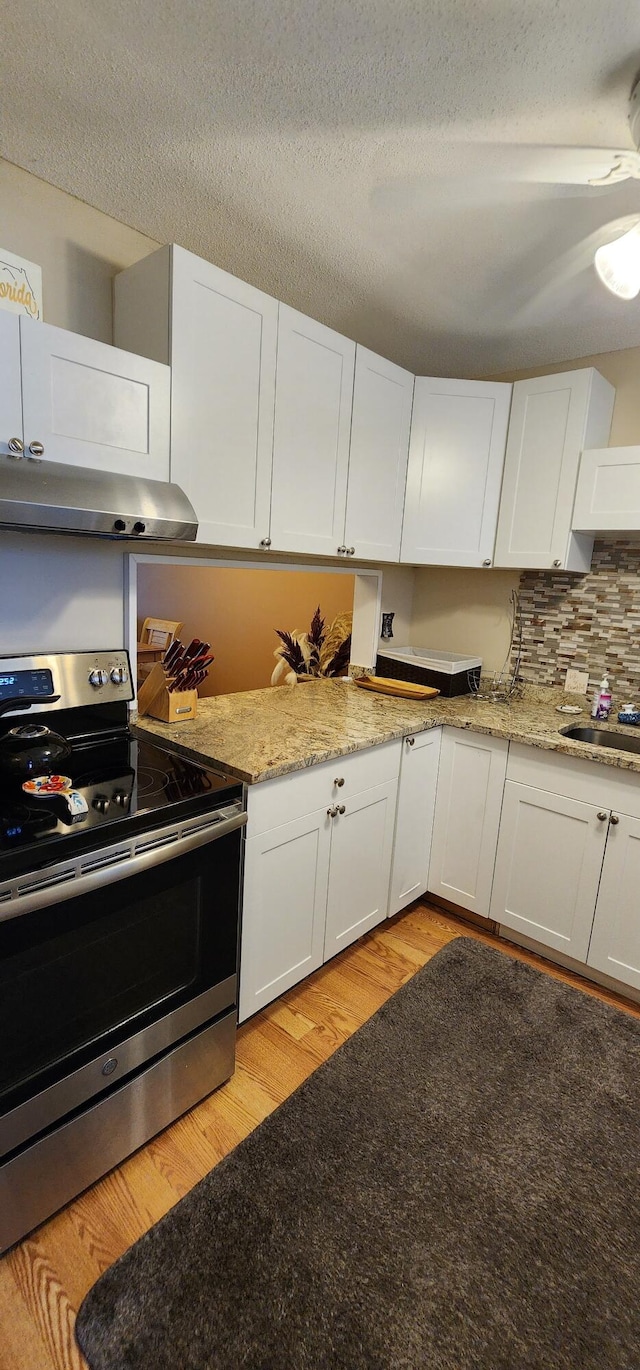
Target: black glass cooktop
<point>126,784</point>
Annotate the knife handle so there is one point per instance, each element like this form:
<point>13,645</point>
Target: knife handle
<point>172,651</point>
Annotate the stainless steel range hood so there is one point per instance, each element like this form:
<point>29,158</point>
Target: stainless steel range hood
<point>51,496</point>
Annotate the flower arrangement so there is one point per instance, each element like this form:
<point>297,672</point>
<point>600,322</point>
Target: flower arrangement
<point>320,652</point>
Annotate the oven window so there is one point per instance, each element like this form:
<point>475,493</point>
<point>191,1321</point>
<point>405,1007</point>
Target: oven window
<point>80,976</point>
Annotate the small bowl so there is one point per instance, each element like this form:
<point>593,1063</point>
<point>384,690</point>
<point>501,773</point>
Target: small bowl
<point>629,716</point>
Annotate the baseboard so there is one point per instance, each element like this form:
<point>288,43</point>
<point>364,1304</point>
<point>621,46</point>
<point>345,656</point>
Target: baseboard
<point>447,906</point>
<point>506,935</point>
<point>578,968</point>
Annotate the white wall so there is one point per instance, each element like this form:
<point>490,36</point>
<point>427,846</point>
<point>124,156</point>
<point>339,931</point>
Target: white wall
<point>397,597</point>
<point>464,610</point>
<point>59,593</point>
<point>79,249</point>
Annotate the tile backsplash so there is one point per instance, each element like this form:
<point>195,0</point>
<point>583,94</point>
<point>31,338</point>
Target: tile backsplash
<point>591,622</point>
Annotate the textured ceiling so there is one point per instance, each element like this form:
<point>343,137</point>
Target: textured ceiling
<point>354,159</point>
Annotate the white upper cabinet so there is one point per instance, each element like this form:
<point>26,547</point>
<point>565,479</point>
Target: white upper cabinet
<point>219,335</point>
<point>10,385</point>
<point>74,400</point>
<point>608,493</point>
<point>380,423</point>
<point>314,395</point>
<point>456,456</point>
<point>552,419</point>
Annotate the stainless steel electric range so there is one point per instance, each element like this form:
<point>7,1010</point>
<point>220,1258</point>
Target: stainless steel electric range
<point>120,867</point>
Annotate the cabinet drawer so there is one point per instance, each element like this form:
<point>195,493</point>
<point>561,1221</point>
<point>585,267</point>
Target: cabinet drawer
<point>301,792</point>
<point>583,780</point>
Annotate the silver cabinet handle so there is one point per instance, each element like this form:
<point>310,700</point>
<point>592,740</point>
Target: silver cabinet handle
<point>342,551</point>
<point>332,812</point>
<point>487,561</point>
<point>558,562</point>
<point>266,542</point>
<point>341,808</point>
<point>339,781</point>
<point>351,551</point>
<point>614,818</point>
<point>602,817</point>
<point>16,447</point>
<point>410,741</point>
<point>36,449</point>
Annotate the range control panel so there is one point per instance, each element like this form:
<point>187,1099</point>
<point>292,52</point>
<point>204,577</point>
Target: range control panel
<point>63,681</point>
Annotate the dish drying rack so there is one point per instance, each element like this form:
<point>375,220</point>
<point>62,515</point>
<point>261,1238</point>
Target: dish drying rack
<point>504,685</point>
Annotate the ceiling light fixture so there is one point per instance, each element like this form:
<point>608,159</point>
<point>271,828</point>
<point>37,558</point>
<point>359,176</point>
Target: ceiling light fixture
<point>618,264</point>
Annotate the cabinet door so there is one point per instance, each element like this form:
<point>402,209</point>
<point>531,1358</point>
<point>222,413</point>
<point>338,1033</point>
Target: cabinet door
<point>456,456</point>
<point>10,392</point>
<point>465,831</point>
<point>92,405</point>
<point>285,899</point>
<point>382,399</point>
<point>615,940</point>
<point>552,419</point>
<point>548,867</point>
<point>314,394</point>
<point>360,866</point>
<point>223,356</point>
<point>608,492</point>
<point>414,818</point>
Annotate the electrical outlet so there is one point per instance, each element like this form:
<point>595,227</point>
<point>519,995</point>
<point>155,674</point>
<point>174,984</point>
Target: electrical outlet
<point>576,682</point>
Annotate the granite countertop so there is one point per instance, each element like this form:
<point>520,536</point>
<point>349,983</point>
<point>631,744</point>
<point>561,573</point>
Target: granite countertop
<point>260,734</point>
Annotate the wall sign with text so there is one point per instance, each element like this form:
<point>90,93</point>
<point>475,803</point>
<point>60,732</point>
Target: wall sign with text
<point>20,285</point>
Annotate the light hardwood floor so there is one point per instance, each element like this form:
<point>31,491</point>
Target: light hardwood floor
<point>43,1280</point>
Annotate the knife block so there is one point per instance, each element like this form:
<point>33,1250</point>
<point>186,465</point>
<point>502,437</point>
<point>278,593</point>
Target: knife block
<point>157,701</point>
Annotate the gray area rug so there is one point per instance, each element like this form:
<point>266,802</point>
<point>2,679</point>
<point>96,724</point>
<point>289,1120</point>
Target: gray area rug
<point>455,1189</point>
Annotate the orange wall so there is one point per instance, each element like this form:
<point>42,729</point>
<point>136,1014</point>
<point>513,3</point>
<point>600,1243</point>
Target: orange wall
<point>237,612</point>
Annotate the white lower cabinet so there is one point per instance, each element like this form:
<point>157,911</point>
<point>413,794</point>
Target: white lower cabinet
<point>414,818</point>
<point>361,847</point>
<point>285,900</point>
<point>568,866</point>
<point>317,868</point>
<point>615,940</point>
<point>539,841</point>
<point>548,867</point>
<point>467,817</point>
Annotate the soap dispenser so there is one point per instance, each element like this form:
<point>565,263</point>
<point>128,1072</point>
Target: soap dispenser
<point>604,701</point>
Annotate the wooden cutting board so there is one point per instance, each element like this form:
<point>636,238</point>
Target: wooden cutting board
<point>400,689</point>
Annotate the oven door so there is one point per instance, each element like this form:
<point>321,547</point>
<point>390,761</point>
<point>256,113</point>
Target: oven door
<point>94,986</point>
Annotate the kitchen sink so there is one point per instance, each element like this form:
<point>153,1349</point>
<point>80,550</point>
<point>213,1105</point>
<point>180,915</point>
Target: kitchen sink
<point>598,737</point>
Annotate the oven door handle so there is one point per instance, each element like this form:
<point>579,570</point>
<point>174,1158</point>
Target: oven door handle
<point>69,879</point>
